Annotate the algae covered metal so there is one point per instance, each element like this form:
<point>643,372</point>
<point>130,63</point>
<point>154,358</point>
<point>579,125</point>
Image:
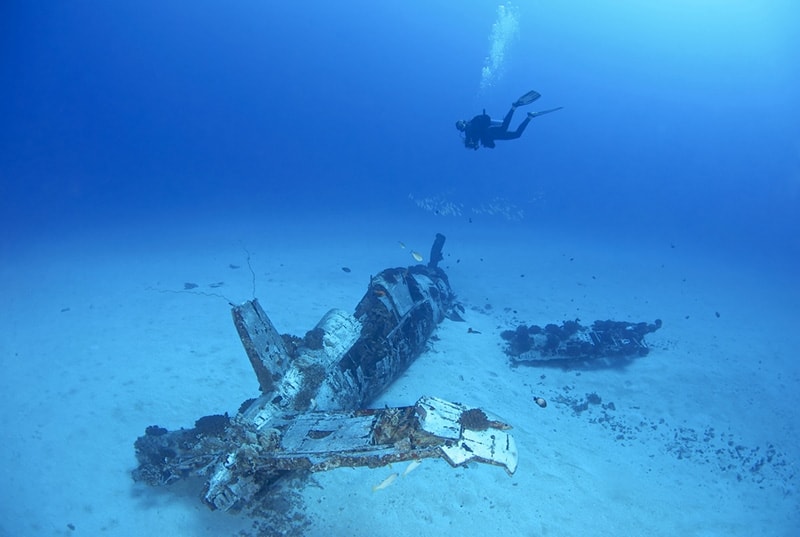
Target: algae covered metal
<point>604,343</point>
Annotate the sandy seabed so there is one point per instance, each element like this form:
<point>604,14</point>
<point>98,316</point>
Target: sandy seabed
<point>698,438</point>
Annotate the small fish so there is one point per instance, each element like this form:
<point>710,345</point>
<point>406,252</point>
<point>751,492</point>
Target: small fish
<point>402,244</point>
<point>413,465</point>
<point>417,256</point>
<point>386,482</point>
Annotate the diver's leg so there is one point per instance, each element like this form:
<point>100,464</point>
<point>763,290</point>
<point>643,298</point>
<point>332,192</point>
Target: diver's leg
<point>507,119</point>
<point>515,134</point>
<point>522,126</point>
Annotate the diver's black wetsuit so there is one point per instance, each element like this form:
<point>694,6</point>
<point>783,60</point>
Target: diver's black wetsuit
<point>484,130</point>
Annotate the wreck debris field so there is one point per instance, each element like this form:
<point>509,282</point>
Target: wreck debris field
<point>120,345</point>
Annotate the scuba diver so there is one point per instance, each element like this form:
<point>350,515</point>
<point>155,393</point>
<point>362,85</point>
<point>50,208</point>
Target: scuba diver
<point>483,130</point>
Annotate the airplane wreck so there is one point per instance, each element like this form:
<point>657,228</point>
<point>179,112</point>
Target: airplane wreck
<point>313,410</point>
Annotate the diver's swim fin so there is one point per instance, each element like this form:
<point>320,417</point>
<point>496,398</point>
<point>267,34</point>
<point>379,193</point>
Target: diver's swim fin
<point>528,98</point>
<point>543,112</point>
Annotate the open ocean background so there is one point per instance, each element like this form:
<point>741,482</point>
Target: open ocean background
<point>146,145</point>
<point>680,120</point>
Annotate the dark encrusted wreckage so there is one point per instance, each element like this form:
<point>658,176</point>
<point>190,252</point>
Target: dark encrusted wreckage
<point>603,344</point>
<point>311,412</point>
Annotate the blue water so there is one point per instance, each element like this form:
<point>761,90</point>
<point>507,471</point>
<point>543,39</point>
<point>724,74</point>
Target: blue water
<point>680,126</point>
<point>680,119</point>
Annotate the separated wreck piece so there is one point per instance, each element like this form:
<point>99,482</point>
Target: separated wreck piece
<point>604,343</point>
